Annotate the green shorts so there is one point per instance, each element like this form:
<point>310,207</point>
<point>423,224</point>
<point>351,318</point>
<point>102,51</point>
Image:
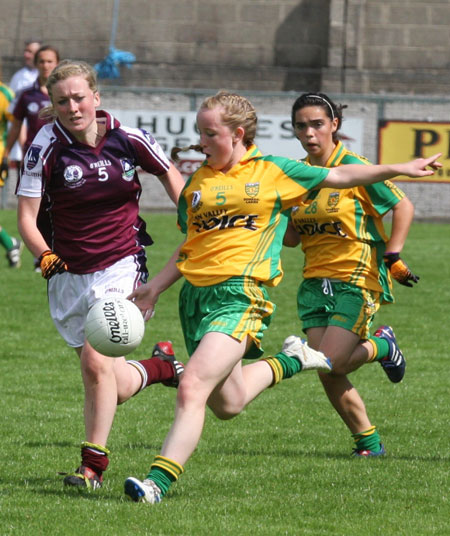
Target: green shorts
<point>239,306</point>
<point>325,302</point>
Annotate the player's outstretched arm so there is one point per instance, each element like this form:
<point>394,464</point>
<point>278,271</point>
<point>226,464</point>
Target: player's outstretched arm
<point>146,296</point>
<point>361,175</point>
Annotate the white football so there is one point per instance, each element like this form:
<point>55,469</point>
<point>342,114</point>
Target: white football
<point>114,326</point>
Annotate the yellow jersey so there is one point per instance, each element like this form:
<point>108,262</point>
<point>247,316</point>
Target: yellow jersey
<point>6,96</point>
<point>235,222</point>
<point>342,232</point>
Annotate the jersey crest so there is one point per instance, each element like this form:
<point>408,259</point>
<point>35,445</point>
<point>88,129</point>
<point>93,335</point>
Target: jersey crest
<point>252,189</point>
<point>33,156</point>
<point>73,176</point>
<point>128,169</point>
<point>196,200</point>
<point>333,200</point>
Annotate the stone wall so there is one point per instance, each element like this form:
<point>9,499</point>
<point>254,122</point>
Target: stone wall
<point>391,46</point>
<point>345,46</point>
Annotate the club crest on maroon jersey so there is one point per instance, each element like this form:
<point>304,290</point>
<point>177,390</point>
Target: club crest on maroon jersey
<point>33,107</point>
<point>73,176</point>
<point>128,169</point>
<point>32,156</point>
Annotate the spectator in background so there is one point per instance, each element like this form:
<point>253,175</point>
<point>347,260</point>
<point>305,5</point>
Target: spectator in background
<point>23,79</point>
<point>29,104</point>
<point>31,101</point>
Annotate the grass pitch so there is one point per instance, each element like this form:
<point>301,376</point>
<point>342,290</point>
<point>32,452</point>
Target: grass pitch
<point>281,467</point>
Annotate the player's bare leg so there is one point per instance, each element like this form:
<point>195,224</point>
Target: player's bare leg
<point>242,386</point>
<point>107,382</point>
<point>206,369</point>
<point>346,401</point>
<point>100,402</point>
<point>347,353</point>
<point>100,392</point>
<point>217,378</point>
<point>338,344</point>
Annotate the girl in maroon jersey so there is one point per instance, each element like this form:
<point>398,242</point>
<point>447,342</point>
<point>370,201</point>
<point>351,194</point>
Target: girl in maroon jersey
<point>82,168</point>
<point>26,121</point>
<point>31,101</point>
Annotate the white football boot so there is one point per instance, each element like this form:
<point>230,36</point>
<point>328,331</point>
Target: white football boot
<point>310,359</point>
<point>146,491</point>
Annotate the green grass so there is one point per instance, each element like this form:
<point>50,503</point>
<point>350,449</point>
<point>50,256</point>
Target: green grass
<point>281,467</point>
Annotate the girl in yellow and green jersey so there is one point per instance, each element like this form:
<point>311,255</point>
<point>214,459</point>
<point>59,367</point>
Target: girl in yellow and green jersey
<point>233,213</point>
<point>348,257</point>
<point>13,246</point>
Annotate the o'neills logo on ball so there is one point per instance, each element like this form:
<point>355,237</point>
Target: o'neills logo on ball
<point>119,330</point>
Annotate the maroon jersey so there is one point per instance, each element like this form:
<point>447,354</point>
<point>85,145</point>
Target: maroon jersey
<point>91,195</point>
<point>29,104</point>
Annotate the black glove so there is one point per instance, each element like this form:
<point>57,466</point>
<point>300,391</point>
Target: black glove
<point>4,169</point>
<point>399,269</point>
<point>51,264</point>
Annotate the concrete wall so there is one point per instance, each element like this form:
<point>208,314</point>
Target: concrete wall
<point>391,46</point>
<point>345,46</point>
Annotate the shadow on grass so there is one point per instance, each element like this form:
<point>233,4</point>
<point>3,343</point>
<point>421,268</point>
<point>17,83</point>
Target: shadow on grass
<point>41,487</point>
<point>221,451</point>
<point>65,444</point>
<point>320,455</point>
<point>81,494</point>
<point>41,444</point>
<point>86,495</point>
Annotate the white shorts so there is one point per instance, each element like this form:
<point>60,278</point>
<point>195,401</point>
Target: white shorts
<point>70,296</point>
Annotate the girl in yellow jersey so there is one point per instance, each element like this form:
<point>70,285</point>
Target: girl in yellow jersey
<point>233,212</point>
<point>346,269</point>
<point>13,246</point>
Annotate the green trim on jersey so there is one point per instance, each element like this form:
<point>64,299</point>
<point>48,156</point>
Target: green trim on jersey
<point>7,91</point>
<point>6,96</point>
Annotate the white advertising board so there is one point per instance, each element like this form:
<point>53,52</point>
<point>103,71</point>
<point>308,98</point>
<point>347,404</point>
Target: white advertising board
<point>274,134</point>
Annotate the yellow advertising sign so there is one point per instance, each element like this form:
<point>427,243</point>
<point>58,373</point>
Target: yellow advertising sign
<point>400,141</point>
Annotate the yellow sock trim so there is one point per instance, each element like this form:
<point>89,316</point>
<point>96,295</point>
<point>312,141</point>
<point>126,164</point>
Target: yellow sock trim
<point>101,448</point>
<point>277,369</point>
<point>375,351</point>
<point>366,433</point>
<point>172,467</point>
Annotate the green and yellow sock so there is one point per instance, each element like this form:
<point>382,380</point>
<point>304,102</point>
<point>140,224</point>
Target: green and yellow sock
<point>380,348</point>
<point>164,472</point>
<point>368,440</point>
<point>283,367</point>
<point>6,240</point>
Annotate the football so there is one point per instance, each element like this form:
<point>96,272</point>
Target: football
<point>114,326</point>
